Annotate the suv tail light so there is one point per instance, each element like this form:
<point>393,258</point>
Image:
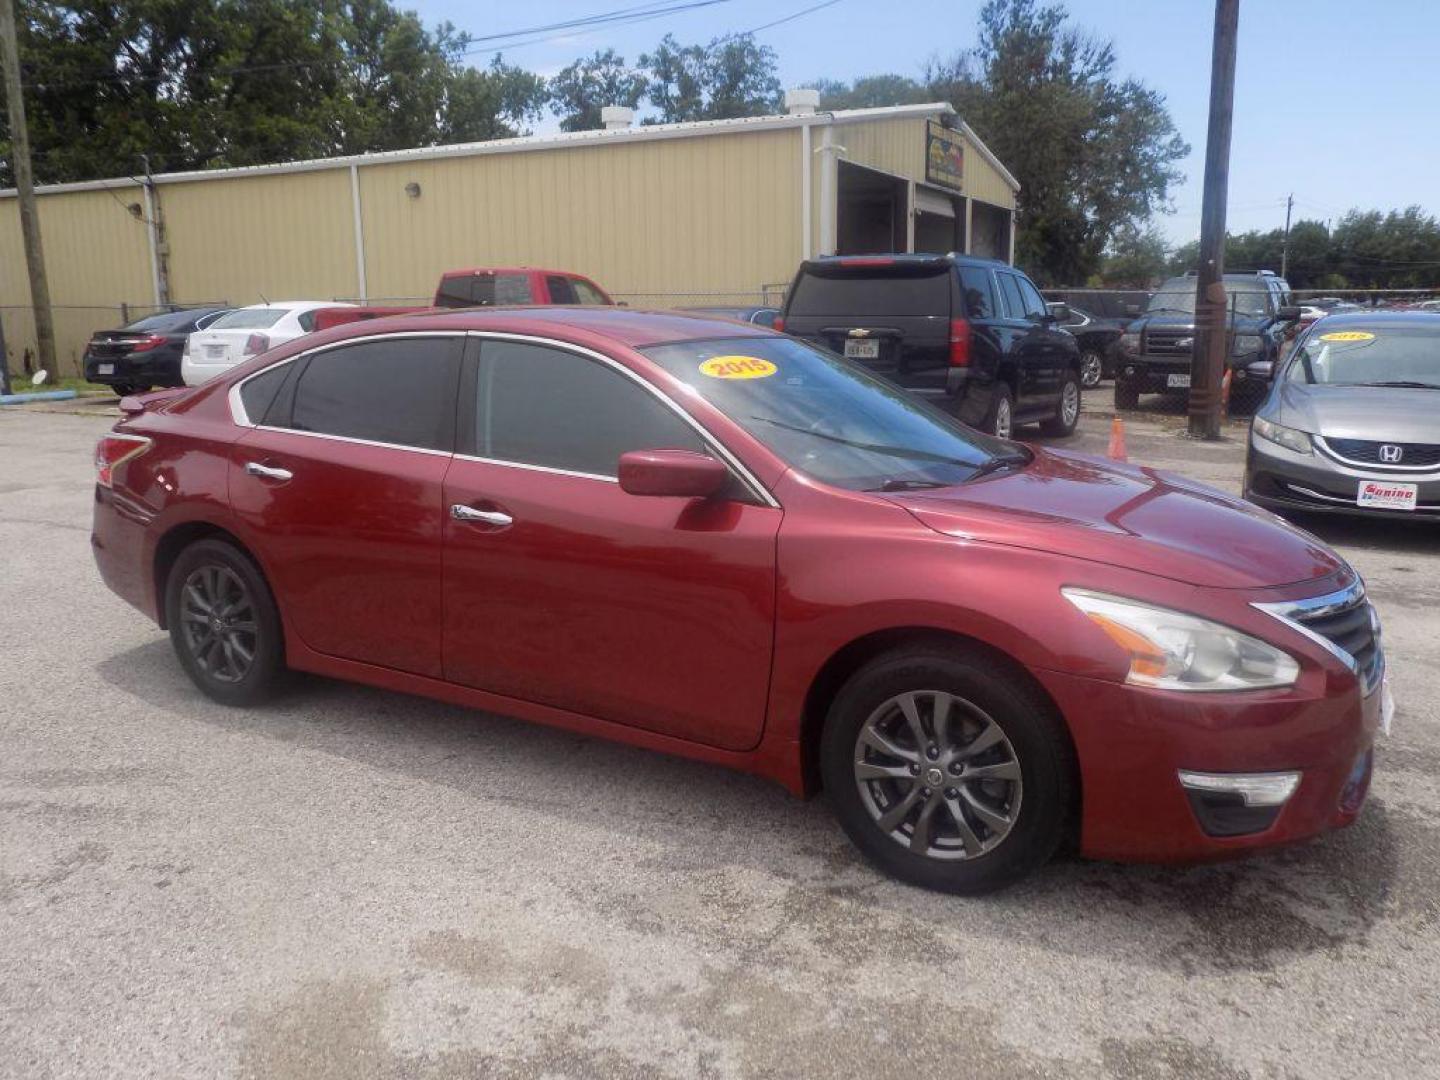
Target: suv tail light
<point>959,343</point>
<point>145,344</point>
<point>256,343</point>
<point>112,451</point>
<point>778,324</point>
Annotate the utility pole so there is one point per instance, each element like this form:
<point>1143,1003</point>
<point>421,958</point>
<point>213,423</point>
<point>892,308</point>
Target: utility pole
<point>1207,362</point>
<point>155,222</point>
<point>25,188</point>
<point>1285,245</point>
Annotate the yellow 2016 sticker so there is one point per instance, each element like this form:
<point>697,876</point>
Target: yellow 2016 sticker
<point>738,367</point>
<point>1348,335</point>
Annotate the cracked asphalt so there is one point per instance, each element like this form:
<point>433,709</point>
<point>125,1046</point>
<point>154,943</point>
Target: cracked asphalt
<point>357,884</point>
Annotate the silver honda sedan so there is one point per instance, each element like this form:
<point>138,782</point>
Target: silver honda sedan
<point>1352,421</point>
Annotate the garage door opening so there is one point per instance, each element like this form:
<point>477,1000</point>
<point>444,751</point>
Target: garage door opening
<point>992,231</point>
<point>939,227</point>
<point>872,207</point>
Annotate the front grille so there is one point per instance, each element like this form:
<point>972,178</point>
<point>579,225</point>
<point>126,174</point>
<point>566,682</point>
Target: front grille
<point>1364,452</point>
<point>1353,630</point>
<point>1169,342</point>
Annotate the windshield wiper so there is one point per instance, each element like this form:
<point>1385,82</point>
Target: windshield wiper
<point>998,462</point>
<point>897,484</point>
<point>1176,310</point>
<point>1402,383</point>
<point>893,451</point>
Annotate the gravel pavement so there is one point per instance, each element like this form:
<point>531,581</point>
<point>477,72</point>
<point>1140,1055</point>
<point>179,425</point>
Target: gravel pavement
<point>357,884</point>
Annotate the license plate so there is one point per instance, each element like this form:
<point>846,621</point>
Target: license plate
<point>214,351</point>
<point>104,369</point>
<point>1387,706</point>
<point>1178,382</point>
<point>1385,495</point>
<point>862,350</point>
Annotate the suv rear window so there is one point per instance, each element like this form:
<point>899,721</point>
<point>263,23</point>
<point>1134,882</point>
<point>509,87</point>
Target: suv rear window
<point>483,290</point>
<point>881,291</point>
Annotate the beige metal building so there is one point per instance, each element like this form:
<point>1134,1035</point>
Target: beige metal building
<point>714,212</point>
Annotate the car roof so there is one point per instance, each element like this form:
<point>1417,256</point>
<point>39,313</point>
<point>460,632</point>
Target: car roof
<point>1423,320</point>
<point>472,270</point>
<point>905,257</point>
<point>624,326</point>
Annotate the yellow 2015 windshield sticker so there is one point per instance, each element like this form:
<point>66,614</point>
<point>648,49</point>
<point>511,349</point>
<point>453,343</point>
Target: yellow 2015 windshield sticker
<point>1348,335</point>
<point>738,367</point>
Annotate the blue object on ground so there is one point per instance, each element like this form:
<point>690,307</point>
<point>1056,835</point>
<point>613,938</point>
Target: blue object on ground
<point>43,395</point>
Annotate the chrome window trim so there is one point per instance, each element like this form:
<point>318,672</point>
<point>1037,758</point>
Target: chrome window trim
<point>1366,466</point>
<point>537,468</point>
<point>747,477</point>
<point>1288,612</point>
<point>354,440</point>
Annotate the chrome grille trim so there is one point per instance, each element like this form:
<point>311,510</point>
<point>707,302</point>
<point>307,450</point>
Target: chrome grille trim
<point>1297,613</point>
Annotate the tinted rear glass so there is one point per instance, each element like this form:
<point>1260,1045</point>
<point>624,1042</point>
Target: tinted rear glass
<point>882,292</point>
<point>250,318</point>
<point>258,394</point>
<point>484,290</point>
<point>167,322</point>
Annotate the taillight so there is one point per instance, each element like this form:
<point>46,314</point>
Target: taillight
<point>145,344</point>
<point>112,451</point>
<point>256,343</point>
<point>959,343</point>
<point>779,324</point>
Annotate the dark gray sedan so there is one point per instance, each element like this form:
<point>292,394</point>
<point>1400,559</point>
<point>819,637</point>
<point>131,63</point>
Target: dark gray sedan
<point>1352,421</point>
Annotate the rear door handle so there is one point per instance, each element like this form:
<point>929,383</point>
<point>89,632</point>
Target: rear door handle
<point>269,472</point>
<point>461,512</point>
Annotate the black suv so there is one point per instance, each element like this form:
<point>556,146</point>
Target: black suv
<point>971,335</point>
<point>1154,352</point>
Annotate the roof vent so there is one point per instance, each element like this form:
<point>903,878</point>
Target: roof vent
<point>802,102</point>
<point>616,117</point>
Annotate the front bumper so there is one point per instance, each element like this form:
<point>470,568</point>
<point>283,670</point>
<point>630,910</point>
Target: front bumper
<point>1133,743</point>
<point>1280,479</point>
<point>1150,374</point>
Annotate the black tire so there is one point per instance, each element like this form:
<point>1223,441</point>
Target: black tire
<point>1002,412</point>
<point>1034,737</point>
<point>1127,395</point>
<point>123,389</point>
<point>227,583</point>
<point>1092,368</point>
<point>1067,411</point>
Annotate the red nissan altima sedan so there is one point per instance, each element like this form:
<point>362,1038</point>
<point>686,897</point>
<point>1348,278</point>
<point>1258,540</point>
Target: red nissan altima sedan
<point>721,542</point>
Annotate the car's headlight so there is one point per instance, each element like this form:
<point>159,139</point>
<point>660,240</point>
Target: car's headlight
<point>1248,343</point>
<point>1171,650</point>
<point>1290,438</point>
<point>1130,342</point>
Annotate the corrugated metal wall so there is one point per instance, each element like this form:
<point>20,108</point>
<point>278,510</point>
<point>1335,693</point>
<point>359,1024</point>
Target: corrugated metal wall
<point>718,214</point>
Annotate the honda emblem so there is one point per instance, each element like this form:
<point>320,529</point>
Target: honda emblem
<point>1391,454</point>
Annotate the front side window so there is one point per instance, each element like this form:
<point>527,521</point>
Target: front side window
<point>399,391</point>
<point>561,290</point>
<point>827,417</point>
<point>979,292</point>
<point>543,406</point>
<point>1014,302</point>
<point>587,293</point>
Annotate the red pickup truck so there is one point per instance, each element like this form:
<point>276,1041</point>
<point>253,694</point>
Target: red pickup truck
<point>486,287</point>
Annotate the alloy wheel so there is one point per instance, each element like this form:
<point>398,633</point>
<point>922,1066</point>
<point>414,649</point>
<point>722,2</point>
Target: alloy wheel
<point>937,775</point>
<point>1002,419</point>
<point>218,618</point>
<point>1092,370</point>
<point>1070,404</point>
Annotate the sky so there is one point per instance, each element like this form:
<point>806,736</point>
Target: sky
<point>1335,102</point>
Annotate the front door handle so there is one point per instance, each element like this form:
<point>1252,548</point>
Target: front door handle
<point>461,512</point>
<point>269,472</point>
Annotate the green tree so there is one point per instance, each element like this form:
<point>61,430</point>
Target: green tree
<point>1094,153</point>
<point>730,77</point>
<point>870,92</point>
<point>1135,259</point>
<point>203,83</point>
<point>580,91</point>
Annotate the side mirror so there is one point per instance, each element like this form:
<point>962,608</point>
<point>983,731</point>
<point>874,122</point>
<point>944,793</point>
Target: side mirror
<point>1261,369</point>
<point>1289,314</point>
<point>1049,319</point>
<point>681,474</point>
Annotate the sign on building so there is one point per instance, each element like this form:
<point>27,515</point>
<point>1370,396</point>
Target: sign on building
<point>944,157</point>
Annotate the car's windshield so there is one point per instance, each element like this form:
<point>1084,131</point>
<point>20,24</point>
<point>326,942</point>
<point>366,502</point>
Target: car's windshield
<point>1368,356</point>
<point>1182,301</point>
<point>256,318</point>
<point>827,417</point>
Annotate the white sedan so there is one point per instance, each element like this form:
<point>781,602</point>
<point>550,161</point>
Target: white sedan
<point>242,333</point>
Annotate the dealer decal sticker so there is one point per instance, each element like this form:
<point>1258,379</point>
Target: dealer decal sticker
<point>738,367</point>
<point>1348,335</point>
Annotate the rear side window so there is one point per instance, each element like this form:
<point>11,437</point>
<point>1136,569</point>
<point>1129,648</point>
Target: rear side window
<point>400,391</point>
<point>1034,303</point>
<point>455,292</point>
<point>587,293</point>
<point>548,407</point>
<point>561,290</point>
<point>875,293</point>
<point>306,319</point>
<point>257,394</point>
<point>979,289</point>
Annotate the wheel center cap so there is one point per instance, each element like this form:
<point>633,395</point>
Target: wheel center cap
<point>216,623</point>
<point>934,776</point>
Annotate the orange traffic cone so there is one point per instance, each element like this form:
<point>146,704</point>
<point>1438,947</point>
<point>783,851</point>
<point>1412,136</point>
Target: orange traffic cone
<point>1117,439</point>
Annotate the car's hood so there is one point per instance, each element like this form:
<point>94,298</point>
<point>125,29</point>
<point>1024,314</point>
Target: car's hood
<point>1377,413</point>
<point>1151,521</point>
